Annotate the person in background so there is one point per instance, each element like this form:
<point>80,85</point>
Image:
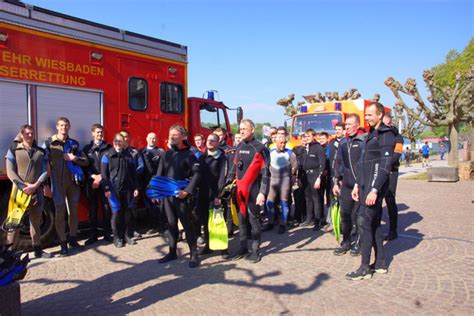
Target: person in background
<point>199,142</point>
<point>390,197</point>
<point>407,156</point>
<point>152,155</point>
<point>425,152</point>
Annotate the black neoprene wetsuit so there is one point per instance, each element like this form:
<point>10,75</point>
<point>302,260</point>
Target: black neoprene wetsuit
<point>250,169</point>
<point>180,164</point>
<point>373,176</point>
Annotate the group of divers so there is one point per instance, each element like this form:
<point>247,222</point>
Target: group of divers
<point>272,185</point>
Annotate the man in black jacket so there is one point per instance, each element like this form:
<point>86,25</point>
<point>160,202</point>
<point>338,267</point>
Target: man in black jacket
<point>349,151</point>
<point>313,164</point>
<point>371,187</point>
<point>180,163</point>
<point>93,190</point>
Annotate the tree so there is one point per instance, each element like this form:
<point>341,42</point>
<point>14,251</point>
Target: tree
<point>451,105</point>
<point>410,127</point>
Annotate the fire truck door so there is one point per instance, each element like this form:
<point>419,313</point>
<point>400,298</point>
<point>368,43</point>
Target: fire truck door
<point>83,108</point>
<point>14,110</point>
<point>138,104</point>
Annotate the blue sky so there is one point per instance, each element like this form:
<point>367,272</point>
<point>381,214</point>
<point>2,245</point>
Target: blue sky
<point>255,52</point>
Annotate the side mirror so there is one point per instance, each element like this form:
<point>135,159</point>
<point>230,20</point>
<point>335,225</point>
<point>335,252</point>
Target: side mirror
<point>240,115</point>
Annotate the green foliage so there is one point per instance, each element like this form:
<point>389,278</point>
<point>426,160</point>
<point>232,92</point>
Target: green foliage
<point>444,74</point>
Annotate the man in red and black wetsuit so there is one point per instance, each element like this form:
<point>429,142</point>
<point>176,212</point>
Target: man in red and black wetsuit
<point>250,169</point>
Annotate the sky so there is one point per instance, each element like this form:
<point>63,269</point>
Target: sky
<point>254,52</point>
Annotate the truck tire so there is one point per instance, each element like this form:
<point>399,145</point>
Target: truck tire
<point>4,196</point>
<point>48,231</point>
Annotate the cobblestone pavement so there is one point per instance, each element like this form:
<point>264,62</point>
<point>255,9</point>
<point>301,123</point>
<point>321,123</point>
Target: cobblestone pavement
<point>431,271</point>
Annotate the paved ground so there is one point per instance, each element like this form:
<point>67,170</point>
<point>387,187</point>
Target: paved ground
<point>431,271</point>
<point>416,168</point>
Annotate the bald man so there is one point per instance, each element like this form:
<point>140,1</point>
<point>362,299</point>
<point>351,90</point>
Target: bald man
<point>151,157</point>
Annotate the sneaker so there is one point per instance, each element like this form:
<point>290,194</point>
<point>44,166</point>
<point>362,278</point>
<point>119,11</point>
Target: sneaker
<point>355,250</point>
<point>130,241</point>
<point>137,235</point>
<point>380,268</point>
<point>254,257</point>
<point>306,223</point>
<point>242,253</point>
<point>169,257</point>
<point>360,274</point>
<point>63,252</point>
<point>391,236</point>
<point>342,250</point>
<point>118,242</point>
<point>281,229</point>
<point>91,241</point>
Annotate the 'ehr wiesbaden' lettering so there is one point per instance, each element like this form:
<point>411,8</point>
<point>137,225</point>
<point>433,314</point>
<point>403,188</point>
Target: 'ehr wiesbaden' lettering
<point>69,73</point>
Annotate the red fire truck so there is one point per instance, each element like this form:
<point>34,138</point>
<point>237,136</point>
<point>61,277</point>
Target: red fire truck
<point>54,65</point>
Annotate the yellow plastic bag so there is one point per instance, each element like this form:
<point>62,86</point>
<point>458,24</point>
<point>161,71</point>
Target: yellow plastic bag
<point>218,239</point>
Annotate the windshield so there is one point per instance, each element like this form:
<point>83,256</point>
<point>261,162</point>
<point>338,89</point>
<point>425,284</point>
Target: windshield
<point>320,122</point>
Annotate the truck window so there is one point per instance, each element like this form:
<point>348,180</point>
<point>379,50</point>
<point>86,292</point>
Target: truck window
<point>211,117</point>
<point>137,94</point>
<point>321,122</point>
<point>171,98</point>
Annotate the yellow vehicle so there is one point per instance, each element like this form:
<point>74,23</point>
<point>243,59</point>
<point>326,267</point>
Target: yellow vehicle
<point>323,117</point>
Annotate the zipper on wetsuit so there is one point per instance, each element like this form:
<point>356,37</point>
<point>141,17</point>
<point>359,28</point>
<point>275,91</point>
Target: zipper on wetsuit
<point>350,161</point>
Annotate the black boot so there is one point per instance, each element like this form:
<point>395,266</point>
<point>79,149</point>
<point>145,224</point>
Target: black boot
<point>92,239</point>
<point>74,244</point>
<point>63,252</point>
<point>254,255</point>
<point>169,257</point>
<point>194,262</point>
<point>39,253</point>
<point>345,247</point>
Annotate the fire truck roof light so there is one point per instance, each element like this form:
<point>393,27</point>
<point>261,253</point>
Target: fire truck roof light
<point>3,37</point>
<point>338,106</point>
<point>304,108</point>
<point>97,56</point>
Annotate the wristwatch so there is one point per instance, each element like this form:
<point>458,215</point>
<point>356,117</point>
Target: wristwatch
<point>374,190</point>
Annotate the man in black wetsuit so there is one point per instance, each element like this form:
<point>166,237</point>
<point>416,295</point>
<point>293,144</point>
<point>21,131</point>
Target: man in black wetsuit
<point>390,198</point>
<point>313,164</point>
<point>213,165</point>
<point>250,169</point>
<point>180,163</point>
<point>371,187</point>
<point>345,176</point>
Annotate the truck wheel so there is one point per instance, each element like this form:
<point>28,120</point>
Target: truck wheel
<point>48,232</point>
